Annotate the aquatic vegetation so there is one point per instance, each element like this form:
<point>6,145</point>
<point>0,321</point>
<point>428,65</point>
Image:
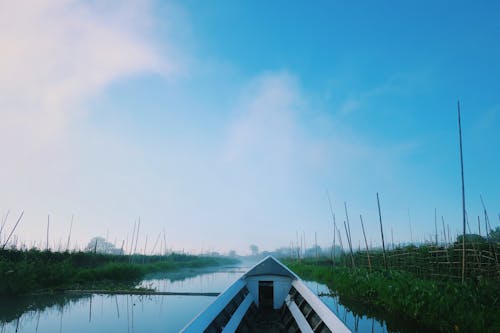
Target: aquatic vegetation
<point>34,270</point>
<point>446,306</point>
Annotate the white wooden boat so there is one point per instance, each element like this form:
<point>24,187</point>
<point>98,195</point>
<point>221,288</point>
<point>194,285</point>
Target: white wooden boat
<point>268,298</point>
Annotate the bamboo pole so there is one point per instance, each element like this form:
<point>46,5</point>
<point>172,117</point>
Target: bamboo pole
<point>302,253</point>
<point>349,235</point>
<point>409,222</point>
<point>298,246</point>
<point>305,246</point>
<point>334,226</point>
<point>341,243</point>
<point>381,230</point>
<point>392,238</point>
<point>132,239</point>
<point>463,192</point>
<point>350,244</point>
<point>156,243</point>
<point>165,242</point>
<point>48,223</point>
<point>334,245</point>
<point>449,234</point>
<point>348,224</point>
<point>467,222</point>
<point>444,230</point>
<point>366,243</point>
<point>125,244</point>
<point>4,221</point>
<point>316,245</point>
<point>488,226</point>
<point>137,235</point>
<point>13,229</point>
<point>479,225</point>
<point>145,245</point>
<point>69,235</point>
<point>435,225</point>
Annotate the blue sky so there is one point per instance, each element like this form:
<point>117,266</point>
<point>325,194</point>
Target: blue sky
<point>224,123</point>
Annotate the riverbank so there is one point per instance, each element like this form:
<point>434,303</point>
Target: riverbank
<point>444,306</point>
<point>29,271</point>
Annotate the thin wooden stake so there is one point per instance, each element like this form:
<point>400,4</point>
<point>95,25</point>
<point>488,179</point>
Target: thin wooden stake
<point>392,238</point>
<point>3,223</point>
<point>435,225</point>
<point>334,245</point>
<point>334,225</point>
<point>486,218</point>
<point>13,229</point>
<point>409,222</point>
<point>48,224</point>
<point>298,246</point>
<point>164,242</point>
<point>132,239</point>
<point>349,238</point>
<point>348,224</point>
<point>488,226</point>
<point>341,244</point>
<point>366,243</point>
<point>69,235</point>
<point>449,234</point>
<point>137,235</point>
<point>381,231</point>
<point>316,245</point>
<point>350,245</point>
<point>463,192</point>
<point>479,225</point>
<point>145,245</point>
<point>156,243</point>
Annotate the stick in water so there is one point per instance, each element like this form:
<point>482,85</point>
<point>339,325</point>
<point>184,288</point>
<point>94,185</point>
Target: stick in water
<point>13,229</point>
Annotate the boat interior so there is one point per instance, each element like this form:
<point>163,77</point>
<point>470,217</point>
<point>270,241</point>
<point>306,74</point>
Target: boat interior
<point>268,298</point>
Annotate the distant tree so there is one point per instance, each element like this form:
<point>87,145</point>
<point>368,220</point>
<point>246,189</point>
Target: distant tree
<point>494,235</point>
<point>312,251</point>
<point>254,249</point>
<point>470,238</point>
<point>99,245</point>
<point>232,253</point>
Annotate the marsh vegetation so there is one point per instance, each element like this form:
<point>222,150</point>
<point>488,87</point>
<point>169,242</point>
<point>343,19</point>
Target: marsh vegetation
<point>24,271</point>
<point>420,283</point>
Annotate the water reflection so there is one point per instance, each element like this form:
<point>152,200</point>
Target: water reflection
<point>194,280</point>
<point>106,313</point>
<point>119,313</point>
<point>140,313</point>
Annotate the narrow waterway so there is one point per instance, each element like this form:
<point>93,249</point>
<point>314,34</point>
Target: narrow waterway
<point>133,313</point>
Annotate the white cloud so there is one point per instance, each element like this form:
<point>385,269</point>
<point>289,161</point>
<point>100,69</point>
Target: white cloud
<point>57,53</point>
<point>54,56</point>
<point>265,122</point>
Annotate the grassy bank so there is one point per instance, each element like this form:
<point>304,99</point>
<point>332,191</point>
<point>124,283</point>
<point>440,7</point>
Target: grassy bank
<point>445,306</point>
<point>34,270</point>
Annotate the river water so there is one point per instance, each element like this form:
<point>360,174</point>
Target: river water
<point>132,313</point>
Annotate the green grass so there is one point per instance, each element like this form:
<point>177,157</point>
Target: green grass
<point>28,271</point>
<point>445,306</point>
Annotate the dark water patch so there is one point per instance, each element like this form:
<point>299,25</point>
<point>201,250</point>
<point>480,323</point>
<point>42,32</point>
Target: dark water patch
<point>12,308</point>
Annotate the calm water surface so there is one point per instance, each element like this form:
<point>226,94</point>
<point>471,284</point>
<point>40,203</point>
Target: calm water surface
<point>125,313</point>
